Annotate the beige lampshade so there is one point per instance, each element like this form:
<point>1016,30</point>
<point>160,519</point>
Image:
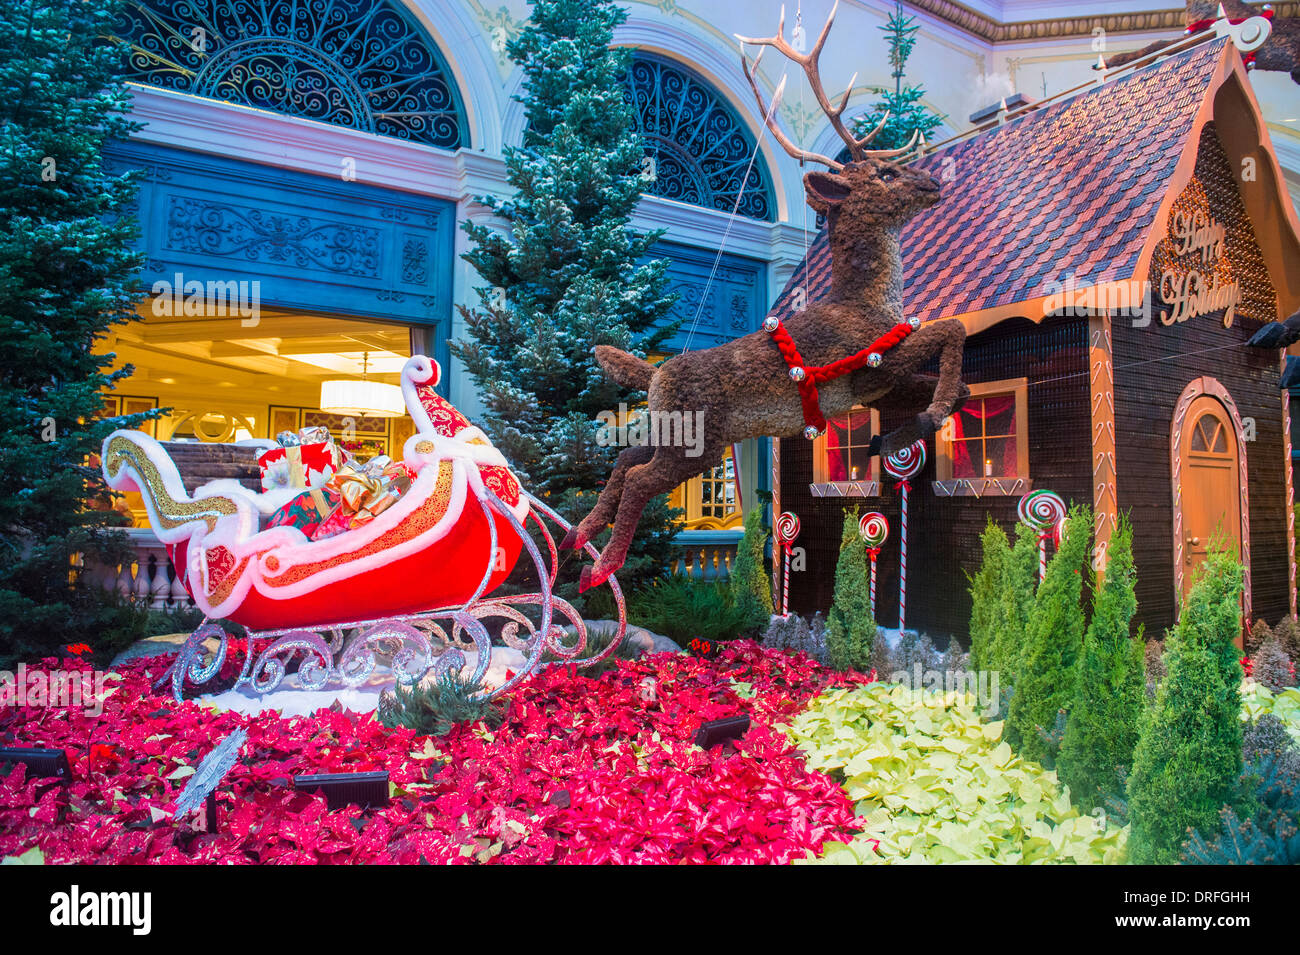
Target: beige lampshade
<point>363,398</point>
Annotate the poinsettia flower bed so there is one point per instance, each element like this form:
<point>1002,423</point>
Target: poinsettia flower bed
<point>581,770</point>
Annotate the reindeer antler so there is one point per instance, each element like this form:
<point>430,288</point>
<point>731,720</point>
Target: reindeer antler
<point>809,62</point>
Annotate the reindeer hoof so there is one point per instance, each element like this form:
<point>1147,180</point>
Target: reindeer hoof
<point>594,577</point>
<point>573,540</point>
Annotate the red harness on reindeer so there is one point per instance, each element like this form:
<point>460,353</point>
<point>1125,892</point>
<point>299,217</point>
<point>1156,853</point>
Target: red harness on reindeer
<point>808,377</point>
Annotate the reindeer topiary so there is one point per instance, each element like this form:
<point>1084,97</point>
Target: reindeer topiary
<point>852,347</point>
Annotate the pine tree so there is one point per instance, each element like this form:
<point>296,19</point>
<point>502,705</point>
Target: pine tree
<point>850,626</point>
<point>1016,606</point>
<point>749,580</point>
<point>986,595</point>
<point>566,278</point>
<point>67,275</point>
<point>1053,639</point>
<point>1188,757</point>
<point>903,103</point>
<point>1102,728</point>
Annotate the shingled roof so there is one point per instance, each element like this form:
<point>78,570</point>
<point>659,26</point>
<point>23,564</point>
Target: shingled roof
<point>1073,188</point>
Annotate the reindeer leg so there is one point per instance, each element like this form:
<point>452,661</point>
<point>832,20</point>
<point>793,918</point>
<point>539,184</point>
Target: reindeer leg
<point>947,338</point>
<point>668,468</point>
<point>607,503</point>
<point>905,397</point>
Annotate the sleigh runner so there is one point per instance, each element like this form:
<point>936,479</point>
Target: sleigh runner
<point>413,581</point>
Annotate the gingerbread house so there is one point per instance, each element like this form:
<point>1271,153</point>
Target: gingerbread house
<point>1111,254</point>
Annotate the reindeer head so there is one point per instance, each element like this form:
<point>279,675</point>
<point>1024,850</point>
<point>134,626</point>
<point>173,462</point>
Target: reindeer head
<point>872,190</point>
<point>869,187</point>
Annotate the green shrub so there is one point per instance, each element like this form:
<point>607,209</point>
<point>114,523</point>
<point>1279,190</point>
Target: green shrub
<point>683,608</point>
<point>751,588</point>
<point>1188,758</point>
<point>1053,638</point>
<point>1019,586</point>
<point>436,705</point>
<point>798,635</point>
<point>986,591</point>
<point>850,625</point>
<point>1102,727</point>
<point>1270,835</point>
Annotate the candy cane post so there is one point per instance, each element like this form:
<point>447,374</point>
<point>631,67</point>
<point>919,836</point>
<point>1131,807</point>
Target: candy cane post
<point>787,529</point>
<point>1043,512</point>
<point>902,465</point>
<point>874,529</point>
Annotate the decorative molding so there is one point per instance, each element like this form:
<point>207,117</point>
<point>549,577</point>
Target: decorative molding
<point>1101,388</point>
<point>986,28</point>
<point>1196,388</point>
<point>776,509</point>
<point>1287,466</point>
<point>250,235</point>
<point>845,489</point>
<point>982,487</point>
<point>364,65</point>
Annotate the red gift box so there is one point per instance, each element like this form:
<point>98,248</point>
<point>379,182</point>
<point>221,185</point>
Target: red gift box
<point>310,463</point>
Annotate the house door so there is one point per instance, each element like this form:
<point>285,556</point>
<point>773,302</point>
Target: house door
<point>1211,495</point>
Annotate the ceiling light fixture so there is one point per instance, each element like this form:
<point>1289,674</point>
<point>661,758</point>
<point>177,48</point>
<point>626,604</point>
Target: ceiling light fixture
<point>371,399</point>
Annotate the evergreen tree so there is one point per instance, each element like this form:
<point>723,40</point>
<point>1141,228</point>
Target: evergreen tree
<point>67,275</point>
<point>903,103</point>
<point>986,595</point>
<point>1102,727</point>
<point>566,277</point>
<point>750,584</point>
<point>1053,639</point>
<point>1016,606</point>
<point>1188,757</point>
<point>850,625</point>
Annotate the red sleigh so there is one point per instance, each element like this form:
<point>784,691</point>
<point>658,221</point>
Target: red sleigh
<point>413,582</point>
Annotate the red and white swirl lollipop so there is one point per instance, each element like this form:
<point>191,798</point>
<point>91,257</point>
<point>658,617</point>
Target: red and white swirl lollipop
<point>902,466</point>
<point>874,528</point>
<point>1043,511</point>
<point>787,529</point>
<point>906,463</point>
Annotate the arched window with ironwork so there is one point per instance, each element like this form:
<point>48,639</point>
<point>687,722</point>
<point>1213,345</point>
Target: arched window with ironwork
<point>363,64</point>
<point>697,148</point>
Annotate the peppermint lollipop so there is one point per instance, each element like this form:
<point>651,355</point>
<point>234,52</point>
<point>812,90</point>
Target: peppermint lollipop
<point>1044,512</point>
<point>907,462</point>
<point>787,529</point>
<point>902,465</point>
<point>874,528</point>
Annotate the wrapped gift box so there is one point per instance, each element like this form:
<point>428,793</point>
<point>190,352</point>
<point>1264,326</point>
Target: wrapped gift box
<point>307,459</point>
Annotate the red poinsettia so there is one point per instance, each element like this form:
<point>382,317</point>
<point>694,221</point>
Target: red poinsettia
<point>582,770</point>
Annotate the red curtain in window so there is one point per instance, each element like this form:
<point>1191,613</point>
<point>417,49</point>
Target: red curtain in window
<point>836,458</point>
<point>962,466</point>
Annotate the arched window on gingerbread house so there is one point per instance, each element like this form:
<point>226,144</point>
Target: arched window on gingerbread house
<point>842,464</point>
<point>984,447</point>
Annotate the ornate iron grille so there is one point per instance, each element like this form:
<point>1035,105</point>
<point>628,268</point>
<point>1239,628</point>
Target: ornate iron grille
<point>697,148</point>
<point>353,63</point>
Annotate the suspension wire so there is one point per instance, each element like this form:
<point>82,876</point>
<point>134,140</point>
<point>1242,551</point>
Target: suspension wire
<point>1134,364</point>
<point>735,211</point>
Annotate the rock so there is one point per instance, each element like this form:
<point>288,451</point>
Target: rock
<point>647,641</point>
<point>159,646</point>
